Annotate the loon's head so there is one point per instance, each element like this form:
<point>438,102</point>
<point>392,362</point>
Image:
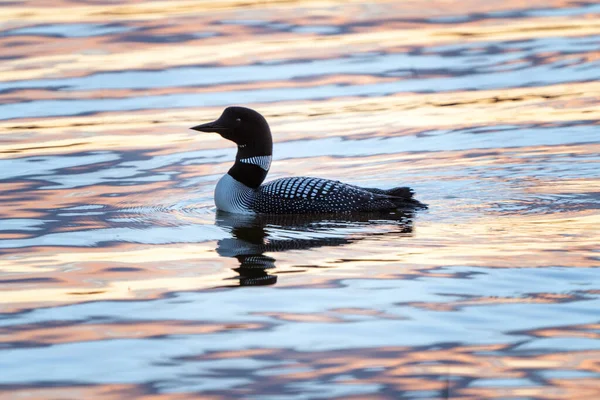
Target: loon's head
<point>243,126</point>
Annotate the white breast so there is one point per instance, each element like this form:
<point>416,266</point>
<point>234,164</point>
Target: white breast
<point>233,196</point>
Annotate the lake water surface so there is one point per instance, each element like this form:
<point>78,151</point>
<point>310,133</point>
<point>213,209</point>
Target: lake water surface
<point>119,280</point>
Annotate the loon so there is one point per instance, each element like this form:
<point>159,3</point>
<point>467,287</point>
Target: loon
<point>241,191</point>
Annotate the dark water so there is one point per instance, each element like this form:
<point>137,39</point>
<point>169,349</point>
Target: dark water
<point>120,280</point>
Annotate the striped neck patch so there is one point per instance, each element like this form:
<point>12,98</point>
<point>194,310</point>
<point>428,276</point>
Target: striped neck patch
<point>262,161</point>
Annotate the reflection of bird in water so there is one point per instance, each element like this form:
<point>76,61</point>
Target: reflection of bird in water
<point>254,235</point>
<point>241,190</point>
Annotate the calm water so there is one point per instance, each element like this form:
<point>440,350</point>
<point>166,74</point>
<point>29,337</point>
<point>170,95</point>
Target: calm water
<point>119,279</point>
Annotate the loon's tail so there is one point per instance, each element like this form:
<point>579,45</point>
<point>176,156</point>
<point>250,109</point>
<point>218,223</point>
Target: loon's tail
<point>404,192</point>
<point>403,196</point>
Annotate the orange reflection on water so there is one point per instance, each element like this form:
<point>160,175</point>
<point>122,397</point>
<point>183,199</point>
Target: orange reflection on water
<point>490,242</point>
<point>235,44</point>
<point>86,275</point>
<point>406,370</point>
<point>582,388</point>
<point>66,333</point>
<point>400,115</point>
<point>104,392</point>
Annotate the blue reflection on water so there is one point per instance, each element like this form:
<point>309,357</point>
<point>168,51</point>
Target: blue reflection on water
<point>70,30</point>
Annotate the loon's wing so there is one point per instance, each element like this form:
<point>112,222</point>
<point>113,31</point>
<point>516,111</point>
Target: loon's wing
<point>316,195</point>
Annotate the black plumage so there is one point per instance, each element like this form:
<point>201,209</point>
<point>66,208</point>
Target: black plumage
<point>317,195</point>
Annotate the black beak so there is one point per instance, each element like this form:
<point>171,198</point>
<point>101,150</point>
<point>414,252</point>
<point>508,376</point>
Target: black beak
<point>214,126</point>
